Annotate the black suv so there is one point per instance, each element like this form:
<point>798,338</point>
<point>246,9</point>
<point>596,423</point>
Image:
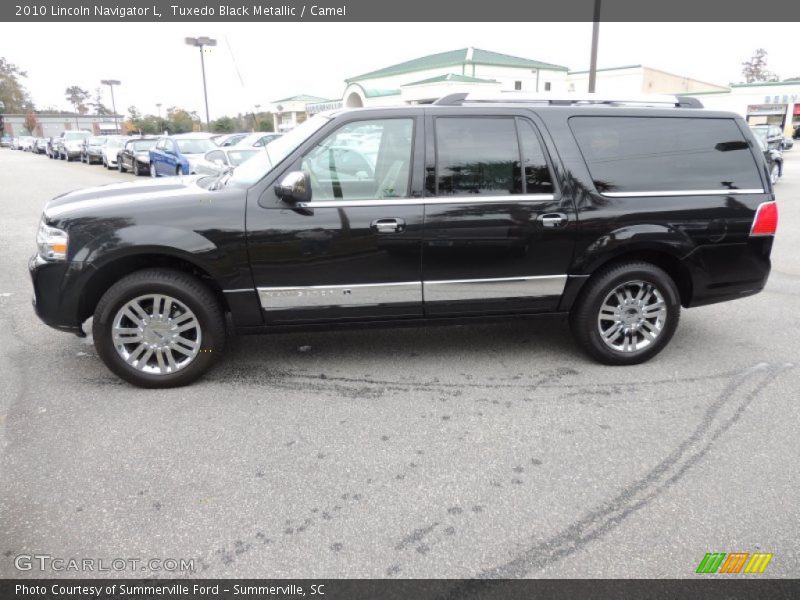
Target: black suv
<point>613,213</point>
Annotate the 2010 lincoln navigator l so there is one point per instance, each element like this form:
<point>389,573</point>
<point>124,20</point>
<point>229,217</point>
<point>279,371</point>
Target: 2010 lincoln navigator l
<point>613,213</point>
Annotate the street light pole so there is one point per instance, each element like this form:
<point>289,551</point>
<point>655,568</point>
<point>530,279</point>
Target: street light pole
<point>111,83</point>
<point>595,35</point>
<point>160,123</point>
<point>201,42</point>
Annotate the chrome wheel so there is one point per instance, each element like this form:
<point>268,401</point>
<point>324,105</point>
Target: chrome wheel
<point>632,316</point>
<point>156,334</point>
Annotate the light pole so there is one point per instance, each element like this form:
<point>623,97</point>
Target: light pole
<point>595,35</point>
<point>160,124</point>
<point>111,83</point>
<point>255,121</point>
<point>200,42</point>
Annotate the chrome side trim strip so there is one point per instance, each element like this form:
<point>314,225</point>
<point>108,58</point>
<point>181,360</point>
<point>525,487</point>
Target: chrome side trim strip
<point>238,291</point>
<point>494,289</point>
<point>428,201</point>
<point>320,296</point>
<point>682,193</point>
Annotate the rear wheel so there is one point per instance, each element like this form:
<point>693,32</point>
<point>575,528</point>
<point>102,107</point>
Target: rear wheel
<point>159,328</point>
<point>627,314</point>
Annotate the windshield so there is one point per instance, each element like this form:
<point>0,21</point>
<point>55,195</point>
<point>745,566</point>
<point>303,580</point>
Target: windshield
<point>195,145</point>
<point>115,142</point>
<point>95,141</point>
<point>274,152</point>
<point>237,157</point>
<point>76,135</point>
<point>143,145</point>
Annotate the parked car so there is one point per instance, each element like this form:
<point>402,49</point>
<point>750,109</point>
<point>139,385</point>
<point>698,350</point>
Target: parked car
<point>774,160</point>
<point>92,150</point>
<point>257,140</point>
<point>111,149</point>
<point>788,143</point>
<point>135,155</point>
<point>40,145</point>
<point>71,143</point>
<point>613,215</point>
<point>772,135</point>
<point>26,143</point>
<point>220,160</point>
<point>52,147</point>
<point>178,154</point>
<point>5,141</point>
<point>228,139</point>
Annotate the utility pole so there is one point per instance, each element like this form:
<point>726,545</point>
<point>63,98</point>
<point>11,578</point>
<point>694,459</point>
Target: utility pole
<point>201,42</point>
<point>595,35</point>
<point>111,83</point>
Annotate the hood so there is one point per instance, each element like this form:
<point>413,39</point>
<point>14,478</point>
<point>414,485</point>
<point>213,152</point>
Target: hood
<point>123,198</point>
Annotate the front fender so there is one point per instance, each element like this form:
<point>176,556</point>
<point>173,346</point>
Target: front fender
<point>150,239</point>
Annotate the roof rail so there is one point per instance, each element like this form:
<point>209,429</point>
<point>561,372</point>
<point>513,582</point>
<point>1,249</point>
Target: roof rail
<point>570,99</point>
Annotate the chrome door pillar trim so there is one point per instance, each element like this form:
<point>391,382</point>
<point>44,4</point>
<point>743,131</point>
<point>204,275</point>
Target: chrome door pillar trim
<point>659,193</point>
<point>428,201</point>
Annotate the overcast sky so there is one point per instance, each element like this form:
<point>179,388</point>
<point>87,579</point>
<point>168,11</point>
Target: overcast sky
<point>279,60</point>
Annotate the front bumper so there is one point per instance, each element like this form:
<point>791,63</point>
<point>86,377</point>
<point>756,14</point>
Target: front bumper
<point>55,299</point>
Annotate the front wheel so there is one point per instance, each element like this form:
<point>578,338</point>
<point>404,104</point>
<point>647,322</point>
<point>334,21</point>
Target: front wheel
<point>136,169</point>
<point>120,168</point>
<point>159,328</point>
<point>774,174</point>
<point>153,169</point>
<point>627,313</point>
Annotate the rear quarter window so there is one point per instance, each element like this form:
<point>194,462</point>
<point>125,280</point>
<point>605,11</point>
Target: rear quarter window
<point>665,154</point>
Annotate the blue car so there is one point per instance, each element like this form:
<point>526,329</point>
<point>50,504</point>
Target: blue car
<point>177,154</point>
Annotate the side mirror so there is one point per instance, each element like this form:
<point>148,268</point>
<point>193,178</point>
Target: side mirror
<point>294,188</point>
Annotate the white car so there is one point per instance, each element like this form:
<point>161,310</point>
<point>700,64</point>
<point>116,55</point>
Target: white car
<point>112,147</point>
<point>70,144</point>
<point>257,139</point>
<point>217,161</point>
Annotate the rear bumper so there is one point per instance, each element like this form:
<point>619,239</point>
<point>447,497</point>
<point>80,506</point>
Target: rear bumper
<point>728,271</point>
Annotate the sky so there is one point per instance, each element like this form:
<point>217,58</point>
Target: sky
<point>258,63</point>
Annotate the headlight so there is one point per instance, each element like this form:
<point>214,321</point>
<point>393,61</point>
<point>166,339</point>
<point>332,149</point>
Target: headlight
<point>52,242</point>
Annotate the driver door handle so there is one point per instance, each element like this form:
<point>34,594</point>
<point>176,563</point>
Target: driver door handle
<point>388,225</point>
<point>551,220</point>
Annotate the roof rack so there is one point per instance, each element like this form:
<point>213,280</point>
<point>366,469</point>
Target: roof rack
<point>569,99</point>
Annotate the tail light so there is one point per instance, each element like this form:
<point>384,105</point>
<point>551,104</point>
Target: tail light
<point>766,221</point>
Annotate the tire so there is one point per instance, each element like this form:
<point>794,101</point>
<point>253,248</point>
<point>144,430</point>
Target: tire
<point>120,168</point>
<point>153,173</point>
<point>135,169</point>
<point>634,335</point>
<point>178,172</point>
<point>774,173</point>
<point>204,319</point>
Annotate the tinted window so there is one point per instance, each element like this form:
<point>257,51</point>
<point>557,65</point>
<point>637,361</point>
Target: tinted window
<point>195,145</point>
<point>642,154</point>
<point>362,160</point>
<point>477,156</point>
<point>216,155</point>
<point>537,174</point>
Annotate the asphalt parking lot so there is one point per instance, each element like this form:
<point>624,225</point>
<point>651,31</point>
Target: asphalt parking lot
<point>495,450</point>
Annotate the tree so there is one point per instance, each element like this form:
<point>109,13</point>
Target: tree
<point>264,122</point>
<point>224,125</point>
<point>31,122</point>
<point>77,96</point>
<point>180,120</point>
<point>12,93</point>
<point>755,69</point>
<point>97,103</point>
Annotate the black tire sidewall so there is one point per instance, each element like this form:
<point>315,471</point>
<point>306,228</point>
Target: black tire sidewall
<point>180,286</point>
<point>584,319</point>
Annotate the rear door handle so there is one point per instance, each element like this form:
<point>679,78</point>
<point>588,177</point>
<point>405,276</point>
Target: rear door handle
<point>388,225</point>
<point>551,220</point>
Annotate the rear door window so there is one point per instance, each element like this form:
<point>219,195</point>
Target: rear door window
<point>665,154</point>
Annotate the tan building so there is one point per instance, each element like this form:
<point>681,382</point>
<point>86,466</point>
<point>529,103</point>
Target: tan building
<point>638,79</point>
